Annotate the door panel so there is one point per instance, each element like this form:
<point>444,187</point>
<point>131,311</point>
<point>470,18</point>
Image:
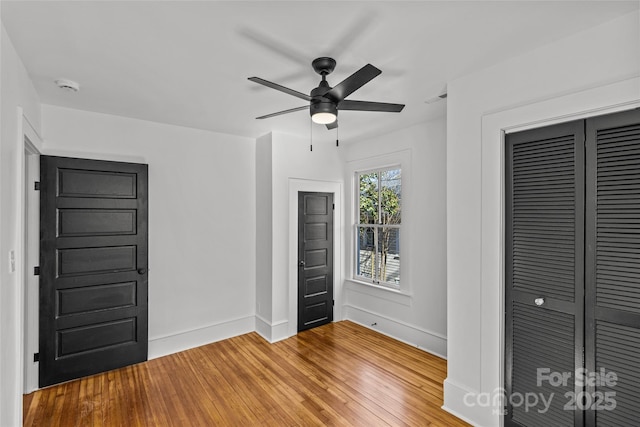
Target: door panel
<point>542,338</point>
<point>95,260</point>
<point>96,184</point>
<point>544,268</point>
<point>94,222</point>
<point>74,341</point>
<point>617,350</point>
<point>613,264</point>
<point>315,255</point>
<point>93,266</point>
<point>91,298</point>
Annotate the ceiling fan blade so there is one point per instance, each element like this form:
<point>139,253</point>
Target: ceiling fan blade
<point>291,110</point>
<point>281,88</point>
<point>352,83</point>
<point>332,125</point>
<point>370,106</point>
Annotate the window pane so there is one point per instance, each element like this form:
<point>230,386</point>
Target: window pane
<point>390,192</point>
<point>366,252</point>
<point>368,204</point>
<point>388,267</point>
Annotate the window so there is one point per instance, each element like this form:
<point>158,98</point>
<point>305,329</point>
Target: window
<point>378,226</point>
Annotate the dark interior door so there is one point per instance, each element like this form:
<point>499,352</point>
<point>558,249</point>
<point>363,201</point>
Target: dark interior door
<point>544,286</point>
<point>315,259</point>
<point>613,268</point>
<point>93,267</point>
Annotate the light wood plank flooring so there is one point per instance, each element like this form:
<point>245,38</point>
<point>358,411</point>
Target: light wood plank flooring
<point>340,374</point>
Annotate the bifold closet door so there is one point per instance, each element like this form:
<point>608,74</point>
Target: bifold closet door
<point>613,269</point>
<point>544,270</point>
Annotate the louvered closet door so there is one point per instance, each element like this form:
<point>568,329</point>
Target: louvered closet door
<point>544,269</point>
<point>613,268</point>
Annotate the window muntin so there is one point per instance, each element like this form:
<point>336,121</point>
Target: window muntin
<point>378,226</point>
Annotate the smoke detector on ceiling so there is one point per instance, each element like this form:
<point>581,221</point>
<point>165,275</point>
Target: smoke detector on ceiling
<point>68,85</point>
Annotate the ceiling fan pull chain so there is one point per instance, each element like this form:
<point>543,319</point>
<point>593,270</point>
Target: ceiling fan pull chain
<point>310,136</point>
<point>337,137</point>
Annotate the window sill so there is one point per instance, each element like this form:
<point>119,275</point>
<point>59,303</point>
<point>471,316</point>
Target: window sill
<point>390,294</point>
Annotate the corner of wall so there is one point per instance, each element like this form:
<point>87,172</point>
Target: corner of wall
<point>263,328</point>
<point>264,234</point>
<point>469,405</point>
<point>272,332</point>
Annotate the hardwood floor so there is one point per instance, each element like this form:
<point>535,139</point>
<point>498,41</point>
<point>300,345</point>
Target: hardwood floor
<point>340,374</point>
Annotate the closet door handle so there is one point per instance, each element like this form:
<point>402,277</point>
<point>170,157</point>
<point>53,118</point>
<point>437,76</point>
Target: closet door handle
<point>539,301</point>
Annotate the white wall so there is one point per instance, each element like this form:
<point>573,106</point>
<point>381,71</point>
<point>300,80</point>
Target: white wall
<point>416,314</point>
<point>294,165</point>
<point>16,90</point>
<point>589,73</point>
<point>202,217</point>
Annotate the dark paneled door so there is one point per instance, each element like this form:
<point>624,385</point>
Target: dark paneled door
<point>93,267</point>
<point>315,259</point>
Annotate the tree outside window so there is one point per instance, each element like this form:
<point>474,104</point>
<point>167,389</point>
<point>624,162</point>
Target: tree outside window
<point>378,228</point>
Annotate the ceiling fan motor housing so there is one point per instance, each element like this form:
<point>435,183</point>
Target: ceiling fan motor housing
<point>323,107</point>
<point>319,104</point>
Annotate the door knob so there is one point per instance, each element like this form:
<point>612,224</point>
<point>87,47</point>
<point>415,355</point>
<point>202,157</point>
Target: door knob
<point>301,263</point>
<point>539,301</point>
<point>142,270</point>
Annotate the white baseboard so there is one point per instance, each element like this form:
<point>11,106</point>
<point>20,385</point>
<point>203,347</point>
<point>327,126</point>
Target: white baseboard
<point>263,328</point>
<point>280,331</point>
<point>428,341</point>
<point>174,343</point>
<point>272,332</point>
<point>468,408</point>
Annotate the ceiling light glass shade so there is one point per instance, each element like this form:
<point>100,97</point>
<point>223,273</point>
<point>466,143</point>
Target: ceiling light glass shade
<point>324,118</point>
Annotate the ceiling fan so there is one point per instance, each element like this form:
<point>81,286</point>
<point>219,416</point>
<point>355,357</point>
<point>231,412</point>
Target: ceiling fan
<point>325,101</point>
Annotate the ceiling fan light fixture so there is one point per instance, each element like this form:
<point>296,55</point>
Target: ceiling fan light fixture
<point>323,112</point>
<point>323,118</point>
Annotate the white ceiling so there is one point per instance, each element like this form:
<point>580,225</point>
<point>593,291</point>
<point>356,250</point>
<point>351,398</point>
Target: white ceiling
<point>186,63</point>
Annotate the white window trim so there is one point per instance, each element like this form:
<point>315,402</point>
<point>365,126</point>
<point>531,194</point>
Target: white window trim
<point>400,159</point>
<point>364,279</point>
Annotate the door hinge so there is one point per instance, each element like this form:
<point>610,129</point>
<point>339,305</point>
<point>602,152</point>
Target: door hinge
<point>334,302</point>
<point>36,186</point>
<point>36,271</point>
<point>334,206</point>
<point>36,357</point>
